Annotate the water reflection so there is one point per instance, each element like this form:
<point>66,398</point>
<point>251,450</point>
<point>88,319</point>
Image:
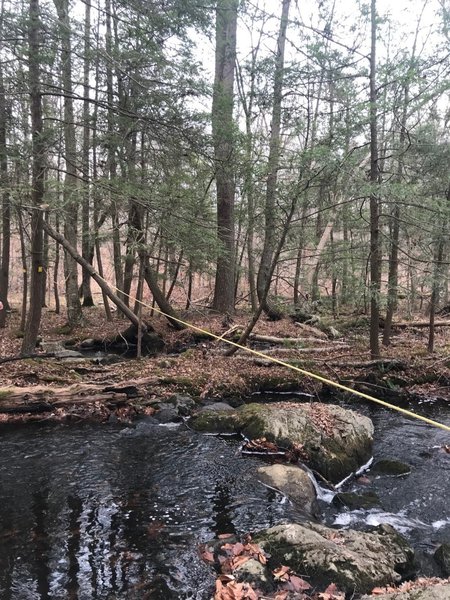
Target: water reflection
<point>88,513</point>
<point>41,543</point>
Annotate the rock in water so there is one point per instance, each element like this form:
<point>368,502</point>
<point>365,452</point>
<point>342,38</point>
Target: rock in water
<point>442,557</point>
<point>336,440</point>
<point>390,467</point>
<point>355,561</point>
<point>294,482</point>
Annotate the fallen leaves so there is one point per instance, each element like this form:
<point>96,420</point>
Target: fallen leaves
<point>228,557</point>
<point>261,446</point>
<point>331,593</point>
<point>227,588</point>
<point>291,581</point>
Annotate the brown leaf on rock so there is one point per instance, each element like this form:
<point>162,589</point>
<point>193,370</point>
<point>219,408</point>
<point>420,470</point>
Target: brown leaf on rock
<point>206,554</point>
<point>332,593</point>
<point>281,573</point>
<point>238,561</point>
<point>256,552</point>
<point>298,584</point>
<point>260,445</point>
<point>229,589</point>
<point>234,549</point>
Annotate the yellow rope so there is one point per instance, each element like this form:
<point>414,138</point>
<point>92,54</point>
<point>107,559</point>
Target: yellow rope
<point>320,378</point>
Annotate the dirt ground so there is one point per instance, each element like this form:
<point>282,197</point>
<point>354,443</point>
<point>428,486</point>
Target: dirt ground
<point>198,366</point>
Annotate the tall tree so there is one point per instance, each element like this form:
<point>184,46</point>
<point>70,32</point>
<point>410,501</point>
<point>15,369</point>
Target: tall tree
<point>70,193</point>
<point>87,246</point>
<point>6,200</point>
<point>38,174</point>
<point>270,230</point>
<point>375,284</point>
<point>222,128</point>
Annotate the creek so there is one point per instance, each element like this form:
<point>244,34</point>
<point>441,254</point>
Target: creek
<point>102,512</point>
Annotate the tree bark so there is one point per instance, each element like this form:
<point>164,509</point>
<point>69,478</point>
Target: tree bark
<point>375,271</point>
<point>437,276</point>
<point>270,231</point>
<point>86,240</point>
<point>38,171</point>
<point>6,205</point>
<point>70,195</point>
<point>222,128</point>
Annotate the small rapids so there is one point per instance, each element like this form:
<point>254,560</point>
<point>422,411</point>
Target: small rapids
<point>99,512</point>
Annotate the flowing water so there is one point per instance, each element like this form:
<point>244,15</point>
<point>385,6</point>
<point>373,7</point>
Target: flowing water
<point>98,512</point>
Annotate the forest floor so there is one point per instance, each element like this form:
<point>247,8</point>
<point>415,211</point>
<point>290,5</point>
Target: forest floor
<point>198,366</point>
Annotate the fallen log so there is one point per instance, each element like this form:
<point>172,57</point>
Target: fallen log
<point>270,339</point>
<point>381,363</point>
<point>419,324</point>
<point>8,359</point>
<point>45,399</point>
<point>296,351</point>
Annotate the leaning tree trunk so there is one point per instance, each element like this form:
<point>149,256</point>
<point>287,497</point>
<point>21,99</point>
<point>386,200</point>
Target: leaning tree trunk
<point>93,273</point>
<point>222,128</point>
<point>270,232</point>
<point>37,189</point>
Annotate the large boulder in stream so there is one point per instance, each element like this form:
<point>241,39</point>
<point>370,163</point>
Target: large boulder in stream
<point>355,561</point>
<point>336,441</point>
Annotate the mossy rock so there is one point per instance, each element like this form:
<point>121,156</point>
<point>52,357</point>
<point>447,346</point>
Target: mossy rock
<point>442,557</point>
<point>394,468</point>
<point>337,441</point>
<point>354,501</point>
<point>355,561</point>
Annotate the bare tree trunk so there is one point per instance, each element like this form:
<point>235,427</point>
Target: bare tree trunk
<point>437,274</point>
<point>270,230</point>
<point>55,271</point>
<point>111,159</point>
<point>86,240</point>
<point>175,276</point>
<point>38,170</point>
<point>6,205</point>
<point>70,192</point>
<point>23,254</point>
<point>375,271</point>
<point>222,127</point>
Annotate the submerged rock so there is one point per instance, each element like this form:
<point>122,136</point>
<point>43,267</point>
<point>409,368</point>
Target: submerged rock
<point>336,440</point>
<point>294,482</point>
<point>390,467</point>
<point>356,501</point>
<point>355,561</point>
